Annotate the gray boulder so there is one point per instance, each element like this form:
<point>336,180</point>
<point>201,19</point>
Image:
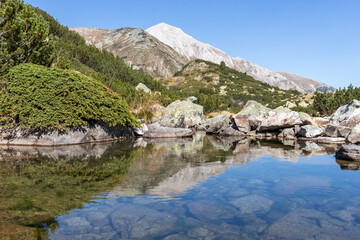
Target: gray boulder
<point>290,104</point>
<point>276,120</point>
<point>287,133</point>
<point>142,130</point>
<point>182,114</point>
<point>192,99</point>
<point>321,122</point>
<point>264,119</point>
<point>143,87</point>
<point>354,135</point>
<point>231,131</point>
<point>85,134</point>
<point>167,132</point>
<point>349,152</point>
<point>217,124</point>
<point>306,118</point>
<point>242,123</point>
<point>255,112</point>
<point>349,113</point>
<point>303,104</point>
<point>310,131</point>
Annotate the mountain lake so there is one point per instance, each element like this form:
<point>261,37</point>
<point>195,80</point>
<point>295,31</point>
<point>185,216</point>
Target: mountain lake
<point>203,187</point>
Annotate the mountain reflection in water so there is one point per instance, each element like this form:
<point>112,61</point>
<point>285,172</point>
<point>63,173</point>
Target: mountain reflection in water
<point>191,188</point>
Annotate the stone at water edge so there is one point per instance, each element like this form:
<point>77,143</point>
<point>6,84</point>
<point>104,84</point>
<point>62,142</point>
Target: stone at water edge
<point>214,125</point>
<point>142,130</point>
<point>167,132</point>
<point>255,112</point>
<point>85,134</point>
<point>310,131</point>
<point>280,120</point>
<point>354,135</point>
<point>182,113</point>
<point>143,87</point>
<point>349,152</point>
<point>331,131</point>
<point>242,123</point>
<point>287,133</point>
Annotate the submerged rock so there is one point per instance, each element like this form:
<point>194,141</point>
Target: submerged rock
<point>252,203</point>
<point>310,131</point>
<point>138,222</point>
<point>349,152</point>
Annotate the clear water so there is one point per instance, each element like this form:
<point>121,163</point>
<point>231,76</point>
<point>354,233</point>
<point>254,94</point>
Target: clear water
<point>200,188</point>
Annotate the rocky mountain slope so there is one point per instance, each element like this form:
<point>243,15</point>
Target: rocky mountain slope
<point>137,47</point>
<point>234,88</point>
<point>194,49</point>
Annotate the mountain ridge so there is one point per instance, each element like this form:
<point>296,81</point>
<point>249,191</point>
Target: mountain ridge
<point>194,49</point>
<point>138,48</point>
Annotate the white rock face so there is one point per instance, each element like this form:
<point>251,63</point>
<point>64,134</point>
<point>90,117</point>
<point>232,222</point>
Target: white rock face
<point>193,49</point>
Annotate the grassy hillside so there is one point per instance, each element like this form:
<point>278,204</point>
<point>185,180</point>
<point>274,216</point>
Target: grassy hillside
<point>231,87</point>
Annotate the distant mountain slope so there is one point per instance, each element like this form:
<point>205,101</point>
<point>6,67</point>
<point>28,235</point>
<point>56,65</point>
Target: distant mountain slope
<point>231,86</point>
<point>193,49</point>
<point>137,48</point>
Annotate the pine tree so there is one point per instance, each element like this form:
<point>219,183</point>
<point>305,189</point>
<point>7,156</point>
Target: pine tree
<point>24,36</point>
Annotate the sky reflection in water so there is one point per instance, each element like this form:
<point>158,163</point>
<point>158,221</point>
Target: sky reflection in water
<point>212,188</point>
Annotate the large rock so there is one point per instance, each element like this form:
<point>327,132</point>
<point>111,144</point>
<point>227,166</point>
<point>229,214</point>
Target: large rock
<point>255,112</point>
<point>306,118</point>
<point>242,123</point>
<point>310,131</point>
<point>264,119</point>
<point>231,131</point>
<point>321,122</point>
<point>143,87</point>
<point>287,133</point>
<point>167,132</point>
<point>216,124</point>
<point>354,135</point>
<point>277,120</point>
<point>139,131</point>
<point>182,114</point>
<point>290,104</point>
<point>348,114</point>
<point>85,134</point>
<point>349,152</point>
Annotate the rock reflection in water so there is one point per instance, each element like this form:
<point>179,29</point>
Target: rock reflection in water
<point>208,187</point>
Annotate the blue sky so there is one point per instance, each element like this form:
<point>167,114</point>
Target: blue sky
<point>318,39</point>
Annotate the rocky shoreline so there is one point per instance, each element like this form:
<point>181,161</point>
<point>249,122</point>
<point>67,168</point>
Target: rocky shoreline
<point>184,118</point>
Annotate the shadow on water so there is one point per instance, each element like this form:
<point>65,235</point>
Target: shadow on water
<point>38,184</point>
